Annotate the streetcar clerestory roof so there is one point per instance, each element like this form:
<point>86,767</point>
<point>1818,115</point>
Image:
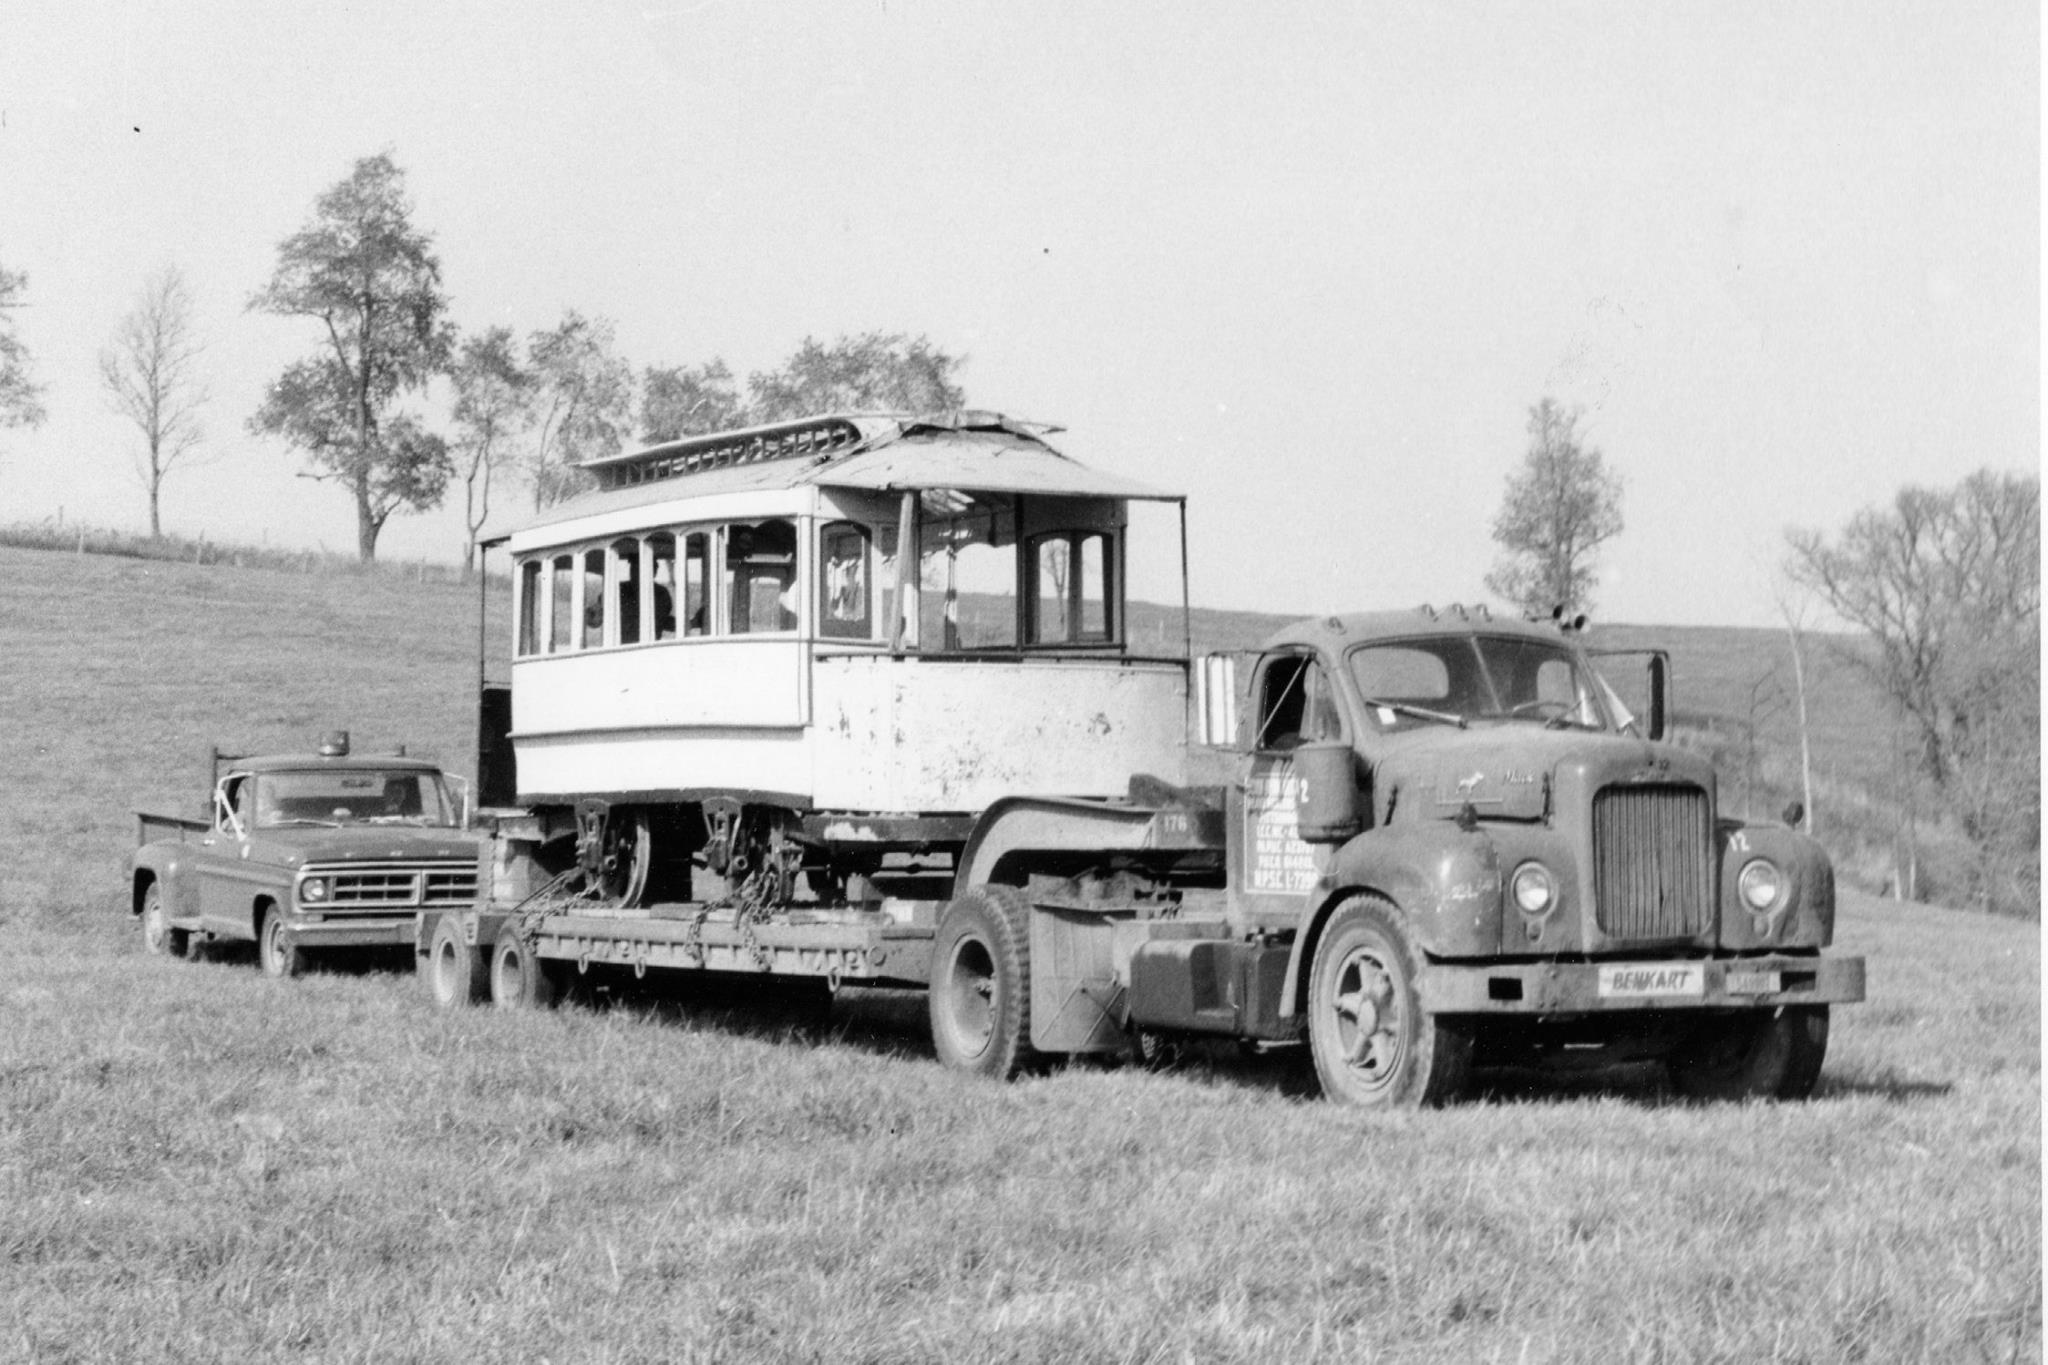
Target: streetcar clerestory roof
<point>979,452</point>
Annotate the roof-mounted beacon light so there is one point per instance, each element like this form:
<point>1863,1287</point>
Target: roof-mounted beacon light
<point>334,744</point>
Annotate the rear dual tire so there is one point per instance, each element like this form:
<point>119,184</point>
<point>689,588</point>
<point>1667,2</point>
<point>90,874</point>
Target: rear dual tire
<point>455,972</point>
<point>520,978</point>
<point>980,999</point>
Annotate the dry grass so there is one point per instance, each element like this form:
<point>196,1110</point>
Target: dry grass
<point>197,1163</point>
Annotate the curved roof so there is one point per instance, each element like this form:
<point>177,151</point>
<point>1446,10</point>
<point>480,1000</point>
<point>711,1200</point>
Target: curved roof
<point>877,452</point>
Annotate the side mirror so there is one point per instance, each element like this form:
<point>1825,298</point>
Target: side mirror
<point>1215,701</point>
<point>1660,694</point>
<point>1656,720</point>
<point>467,817</point>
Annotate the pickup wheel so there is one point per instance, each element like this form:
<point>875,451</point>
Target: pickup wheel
<point>158,937</point>
<point>1760,1055</point>
<point>981,982</point>
<point>280,956</point>
<point>1372,1041</point>
<point>455,971</point>
<point>520,977</point>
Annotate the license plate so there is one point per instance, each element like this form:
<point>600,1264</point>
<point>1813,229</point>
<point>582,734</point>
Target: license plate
<point>1653,981</point>
<point>1754,983</point>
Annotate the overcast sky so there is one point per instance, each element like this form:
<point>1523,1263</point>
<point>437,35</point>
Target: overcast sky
<point>1309,265</point>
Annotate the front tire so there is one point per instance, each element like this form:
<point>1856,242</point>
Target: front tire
<point>280,956</point>
<point>455,971</point>
<point>1373,1043</point>
<point>981,981</point>
<point>1765,1055</point>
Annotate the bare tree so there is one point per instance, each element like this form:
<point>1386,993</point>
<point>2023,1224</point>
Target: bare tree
<point>1560,507</point>
<point>371,280</point>
<point>1793,611</point>
<point>20,395</point>
<point>583,401</point>
<point>493,403</point>
<point>151,376</point>
<point>1947,583</point>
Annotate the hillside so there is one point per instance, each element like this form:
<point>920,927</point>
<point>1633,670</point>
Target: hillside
<point>128,669</point>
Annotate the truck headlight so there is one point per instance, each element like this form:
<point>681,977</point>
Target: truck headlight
<point>313,890</point>
<point>1533,888</point>
<point>1761,883</point>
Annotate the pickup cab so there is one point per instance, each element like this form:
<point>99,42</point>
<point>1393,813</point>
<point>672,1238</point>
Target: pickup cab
<point>305,852</point>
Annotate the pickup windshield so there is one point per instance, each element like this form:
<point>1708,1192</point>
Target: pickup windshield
<point>352,796</point>
<point>1456,679</point>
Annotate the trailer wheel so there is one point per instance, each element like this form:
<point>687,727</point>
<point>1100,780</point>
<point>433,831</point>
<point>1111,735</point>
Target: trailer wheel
<point>520,977</point>
<point>1372,1041</point>
<point>279,956</point>
<point>1754,1056</point>
<point>158,937</point>
<point>455,971</point>
<point>981,980</point>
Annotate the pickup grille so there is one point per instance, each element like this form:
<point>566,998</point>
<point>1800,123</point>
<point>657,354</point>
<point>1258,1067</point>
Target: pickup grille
<point>1653,872</point>
<point>397,886</point>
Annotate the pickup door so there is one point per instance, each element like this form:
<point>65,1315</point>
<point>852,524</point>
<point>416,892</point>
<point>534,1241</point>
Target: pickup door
<point>228,882</point>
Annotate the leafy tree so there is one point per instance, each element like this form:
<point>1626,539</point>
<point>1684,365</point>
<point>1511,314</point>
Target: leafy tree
<point>1947,584</point>
<point>20,396</point>
<point>372,281</point>
<point>874,371</point>
<point>680,400</point>
<point>493,404</point>
<point>1561,506</point>
<point>583,403</point>
<point>151,377</point>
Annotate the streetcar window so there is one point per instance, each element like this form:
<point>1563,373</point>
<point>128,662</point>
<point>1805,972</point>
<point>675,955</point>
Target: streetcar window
<point>696,583</point>
<point>661,560</point>
<point>593,599</point>
<point>1070,594</point>
<point>529,607</point>
<point>561,603</point>
<point>626,588</point>
<point>845,602</point>
<point>969,575</point>
<point>760,567</point>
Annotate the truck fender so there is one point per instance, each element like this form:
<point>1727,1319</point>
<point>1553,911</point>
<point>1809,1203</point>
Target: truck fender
<point>166,867</point>
<point>1445,882</point>
<point>1804,916</point>
<point>1017,825</point>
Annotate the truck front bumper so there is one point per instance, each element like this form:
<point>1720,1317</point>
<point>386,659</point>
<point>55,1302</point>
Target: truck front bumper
<point>1617,987</point>
<point>354,931</point>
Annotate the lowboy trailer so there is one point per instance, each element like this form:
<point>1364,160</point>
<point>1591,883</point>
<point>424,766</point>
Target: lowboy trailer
<point>851,701</point>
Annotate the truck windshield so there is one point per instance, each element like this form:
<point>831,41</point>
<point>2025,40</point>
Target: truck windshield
<point>1453,679</point>
<point>352,796</point>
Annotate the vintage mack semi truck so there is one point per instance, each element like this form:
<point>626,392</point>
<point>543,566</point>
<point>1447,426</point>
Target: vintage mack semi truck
<point>853,701</point>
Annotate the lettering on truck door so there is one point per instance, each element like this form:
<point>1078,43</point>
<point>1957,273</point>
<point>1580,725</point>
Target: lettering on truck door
<point>1294,705</point>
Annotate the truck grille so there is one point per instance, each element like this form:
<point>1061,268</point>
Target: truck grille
<point>394,886</point>
<point>1653,874</point>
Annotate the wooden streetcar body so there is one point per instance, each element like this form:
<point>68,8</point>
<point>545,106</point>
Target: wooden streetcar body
<point>759,727</point>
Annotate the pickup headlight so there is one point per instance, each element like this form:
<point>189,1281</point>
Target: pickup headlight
<point>313,890</point>
<point>1533,888</point>
<point>1761,884</point>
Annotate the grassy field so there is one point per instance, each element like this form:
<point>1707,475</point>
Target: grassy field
<point>198,1163</point>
